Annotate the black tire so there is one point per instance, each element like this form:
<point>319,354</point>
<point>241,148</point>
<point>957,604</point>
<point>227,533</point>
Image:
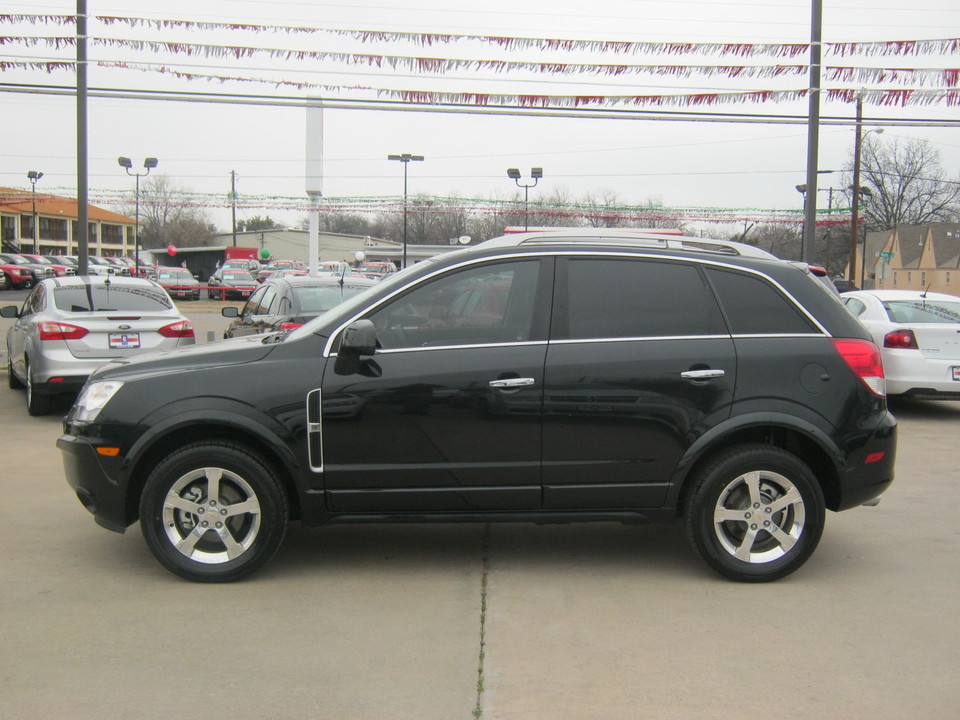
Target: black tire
<point>755,483</point>
<point>37,404</point>
<point>253,535</point>
<point>13,382</point>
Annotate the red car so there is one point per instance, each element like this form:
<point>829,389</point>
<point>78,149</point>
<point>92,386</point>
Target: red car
<point>59,268</point>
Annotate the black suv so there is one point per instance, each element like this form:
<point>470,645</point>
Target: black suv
<point>538,377</point>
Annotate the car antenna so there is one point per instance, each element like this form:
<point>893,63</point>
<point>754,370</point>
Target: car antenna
<point>343,273</point>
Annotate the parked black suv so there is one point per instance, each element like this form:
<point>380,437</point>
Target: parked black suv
<point>536,377</point>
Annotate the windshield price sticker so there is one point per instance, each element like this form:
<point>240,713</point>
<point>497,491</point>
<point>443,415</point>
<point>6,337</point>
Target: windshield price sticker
<point>956,373</point>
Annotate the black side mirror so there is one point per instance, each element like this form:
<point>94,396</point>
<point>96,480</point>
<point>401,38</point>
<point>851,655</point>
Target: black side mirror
<point>359,338</point>
<point>10,311</point>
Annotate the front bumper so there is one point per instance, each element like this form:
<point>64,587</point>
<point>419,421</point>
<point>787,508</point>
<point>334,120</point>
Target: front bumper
<point>93,480</point>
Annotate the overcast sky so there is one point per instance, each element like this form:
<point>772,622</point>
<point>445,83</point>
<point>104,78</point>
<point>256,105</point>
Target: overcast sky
<point>681,163</point>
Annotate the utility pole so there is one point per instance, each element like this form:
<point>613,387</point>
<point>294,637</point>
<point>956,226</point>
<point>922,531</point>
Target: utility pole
<point>233,203</point>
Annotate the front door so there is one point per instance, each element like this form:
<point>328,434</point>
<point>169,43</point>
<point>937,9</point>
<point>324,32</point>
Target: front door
<point>446,416</point>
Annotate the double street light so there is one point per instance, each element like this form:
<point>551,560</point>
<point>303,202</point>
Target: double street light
<point>33,176</point>
<point>406,159</point>
<point>126,164</point>
<point>535,175</point>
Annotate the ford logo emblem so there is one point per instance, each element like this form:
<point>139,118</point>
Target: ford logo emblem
<point>124,327</point>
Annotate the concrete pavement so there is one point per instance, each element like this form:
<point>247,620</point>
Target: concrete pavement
<point>580,621</point>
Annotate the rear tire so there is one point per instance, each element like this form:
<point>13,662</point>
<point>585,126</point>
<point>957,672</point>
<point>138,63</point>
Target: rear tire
<point>37,404</point>
<point>13,382</point>
<point>755,513</point>
<point>213,511</point>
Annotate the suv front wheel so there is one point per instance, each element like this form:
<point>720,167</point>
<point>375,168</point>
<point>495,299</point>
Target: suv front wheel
<point>755,513</point>
<point>213,512</point>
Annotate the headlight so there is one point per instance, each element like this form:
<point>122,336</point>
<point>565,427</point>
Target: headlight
<point>93,399</point>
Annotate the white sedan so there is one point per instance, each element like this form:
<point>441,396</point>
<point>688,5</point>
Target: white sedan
<point>918,334</point>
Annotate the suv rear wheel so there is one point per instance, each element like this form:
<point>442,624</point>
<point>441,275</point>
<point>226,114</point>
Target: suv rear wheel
<point>213,512</point>
<point>755,513</point>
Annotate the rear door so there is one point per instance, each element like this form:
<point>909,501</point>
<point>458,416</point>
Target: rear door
<point>447,415</point>
<point>639,365</point>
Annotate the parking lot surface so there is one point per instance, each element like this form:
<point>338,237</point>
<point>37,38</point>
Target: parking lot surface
<point>453,622</point>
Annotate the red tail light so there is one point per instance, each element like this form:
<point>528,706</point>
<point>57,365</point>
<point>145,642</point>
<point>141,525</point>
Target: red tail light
<point>901,340</point>
<point>863,357</point>
<point>289,325</point>
<point>60,331</point>
<point>182,329</point>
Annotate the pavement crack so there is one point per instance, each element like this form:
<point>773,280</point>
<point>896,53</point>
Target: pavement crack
<point>485,567</point>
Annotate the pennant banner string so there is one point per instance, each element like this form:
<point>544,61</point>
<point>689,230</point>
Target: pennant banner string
<point>434,65</point>
<point>883,47</point>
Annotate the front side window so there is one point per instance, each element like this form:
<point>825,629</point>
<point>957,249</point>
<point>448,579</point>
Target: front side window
<point>491,303</point>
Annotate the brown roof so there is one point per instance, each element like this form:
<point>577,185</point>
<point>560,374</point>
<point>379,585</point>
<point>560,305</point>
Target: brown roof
<point>21,201</point>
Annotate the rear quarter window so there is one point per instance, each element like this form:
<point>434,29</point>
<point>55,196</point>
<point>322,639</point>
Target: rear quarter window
<point>754,306</point>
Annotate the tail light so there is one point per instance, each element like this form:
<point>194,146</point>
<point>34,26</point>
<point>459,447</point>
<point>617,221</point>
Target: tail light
<point>863,357</point>
<point>901,340</point>
<point>290,325</point>
<point>60,331</point>
<point>182,329</point>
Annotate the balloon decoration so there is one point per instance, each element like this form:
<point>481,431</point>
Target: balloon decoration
<point>264,254</point>
<point>171,250</point>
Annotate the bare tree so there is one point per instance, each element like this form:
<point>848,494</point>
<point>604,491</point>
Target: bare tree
<point>779,239</point>
<point>907,184</point>
<point>168,217</point>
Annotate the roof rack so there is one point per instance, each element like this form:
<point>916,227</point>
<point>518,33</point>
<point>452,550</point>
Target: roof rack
<point>624,237</point>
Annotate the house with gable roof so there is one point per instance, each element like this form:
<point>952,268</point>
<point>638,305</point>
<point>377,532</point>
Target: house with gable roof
<point>911,257</point>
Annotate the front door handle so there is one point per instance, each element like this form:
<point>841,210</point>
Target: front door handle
<point>509,383</point>
<point>702,374</point>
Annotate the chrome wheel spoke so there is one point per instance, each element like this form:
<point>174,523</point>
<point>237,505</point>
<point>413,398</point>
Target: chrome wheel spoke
<point>178,502</point>
<point>249,506</point>
<point>728,515</point>
<point>744,551</point>
<point>213,475</point>
<point>188,543</point>
<point>786,540</point>
<point>790,498</point>
<point>233,548</point>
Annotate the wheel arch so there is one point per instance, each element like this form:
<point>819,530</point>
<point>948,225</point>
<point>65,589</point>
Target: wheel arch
<point>805,441</point>
<point>165,440</point>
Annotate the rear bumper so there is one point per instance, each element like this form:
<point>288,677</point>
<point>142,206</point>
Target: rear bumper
<point>871,470</point>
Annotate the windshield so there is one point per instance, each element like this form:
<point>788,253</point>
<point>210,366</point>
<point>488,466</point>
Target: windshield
<point>245,276</point>
<point>110,296</point>
<point>175,274</point>
<point>14,260</point>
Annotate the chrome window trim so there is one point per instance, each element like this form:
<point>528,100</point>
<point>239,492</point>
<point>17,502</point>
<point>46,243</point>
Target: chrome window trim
<point>570,252</point>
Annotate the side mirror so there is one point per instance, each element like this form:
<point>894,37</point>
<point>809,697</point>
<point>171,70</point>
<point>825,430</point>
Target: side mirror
<point>10,311</point>
<point>230,312</point>
<point>360,338</point>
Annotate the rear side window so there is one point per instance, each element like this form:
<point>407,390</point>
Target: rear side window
<point>633,298</point>
<point>753,306</point>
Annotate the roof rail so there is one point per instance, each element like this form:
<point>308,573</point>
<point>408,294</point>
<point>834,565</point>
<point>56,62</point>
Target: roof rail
<point>624,237</point>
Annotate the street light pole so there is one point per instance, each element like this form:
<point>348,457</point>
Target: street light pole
<point>535,174</point>
<point>126,164</point>
<point>855,191</point>
<point>33,176</point>
<point>406,159</point>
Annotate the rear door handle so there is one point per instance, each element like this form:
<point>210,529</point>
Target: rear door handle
<point>702,374</point>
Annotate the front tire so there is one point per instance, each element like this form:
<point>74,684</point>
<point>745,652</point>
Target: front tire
<point>755,513</point>
<point>213,512</point>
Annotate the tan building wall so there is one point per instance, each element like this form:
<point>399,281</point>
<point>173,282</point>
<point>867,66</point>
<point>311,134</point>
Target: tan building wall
<point>910,257</point>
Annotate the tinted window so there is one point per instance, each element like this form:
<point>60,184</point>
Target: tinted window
<point>486,304</point>
<point>755,307</point>
<point>622,298</point>
<point>89,298</point>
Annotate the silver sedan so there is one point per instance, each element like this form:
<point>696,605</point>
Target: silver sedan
<point>69,326</point>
